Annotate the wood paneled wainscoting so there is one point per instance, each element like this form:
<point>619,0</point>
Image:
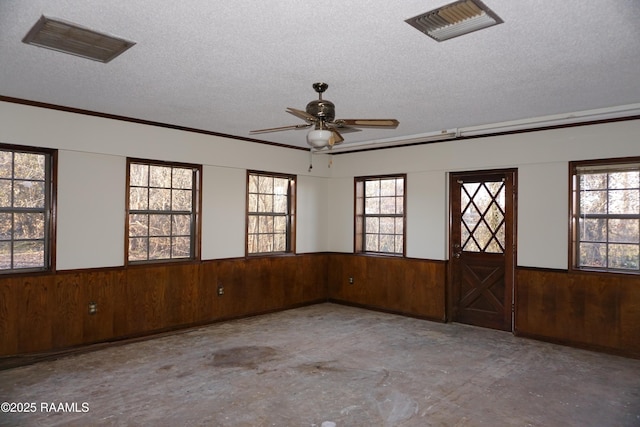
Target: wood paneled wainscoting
<point>408,286</point>
<point>589,310</point>
<point>45,314</point>
<point>50,312</point>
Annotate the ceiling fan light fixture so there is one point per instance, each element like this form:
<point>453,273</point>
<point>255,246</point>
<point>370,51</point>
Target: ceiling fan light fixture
<point>455,19</point>
<point>319,138</point>
<point>73,39</point>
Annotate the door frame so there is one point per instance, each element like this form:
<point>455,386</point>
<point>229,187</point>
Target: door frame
<point>511,246</point>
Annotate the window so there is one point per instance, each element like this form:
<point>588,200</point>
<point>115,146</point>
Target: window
<point>605,213</point>
<point>26,213</point>
<point>270,213</point>
<point>163,206</point>
<point>379,214</point>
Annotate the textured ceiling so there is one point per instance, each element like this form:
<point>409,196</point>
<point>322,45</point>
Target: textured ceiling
<point>233,66</point>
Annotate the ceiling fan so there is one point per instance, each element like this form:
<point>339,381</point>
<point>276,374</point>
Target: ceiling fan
<point>321,114</point>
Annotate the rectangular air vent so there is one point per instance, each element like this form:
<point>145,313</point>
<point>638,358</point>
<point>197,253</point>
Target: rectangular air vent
<point>75,40</point>
<point>455,19</point>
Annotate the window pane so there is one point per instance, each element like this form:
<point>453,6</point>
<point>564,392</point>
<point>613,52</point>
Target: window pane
<point>159,247</point>
<point>387,243</point>
<point>399,242</point>
<point>624,202</point>
<point>388,187</point>
<point>138,249</point>
<point>372,225</point>
<point>159,225</point>
<point>5,255</point>
<point>280,204</point>
<point>253,203</point>
<point>387,225</point>
<point>6,164</point>
<point>182,178</point>
<point>181,200</point>
<point>280,224</point>
<point>400,187</point>
<point>371,242</point>
<point>30,166</point>
<point>252,243</point>
<point>138,198</point>
<point>281,186</point>
<point>28,194</point>
<point>265,224</point>
<point>371,206</point>
<point>593,202</point>
<point>372,188</point>
<point>138,224</point>
<point>181,247</point>
<point>253,224</point>
<point>387,205</point>
<point>596,181</point>
<point>265,243</point>
<point>5,193</point>
<point>6,226</point>
<point>623,256</point>
<point>160,176</point>
<point>593,255</point>
<point>265,184</point>
<point>181,225</point>
<point>593,230</point>
<point>28,225</point>
<point>624,230</point>
<point>279,242</point>
<point>265,203</point>
<point>28,254</point>
<point>628,179</point>
<point>159,199</point>
<point>253,183</point>
<point>138,175</point>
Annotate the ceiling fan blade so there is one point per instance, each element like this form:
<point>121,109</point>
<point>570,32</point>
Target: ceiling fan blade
<point>303,126</point>
<point>302,115</point>
<point>343,129</point>
<point>374,123</point>
<point>336,138</point>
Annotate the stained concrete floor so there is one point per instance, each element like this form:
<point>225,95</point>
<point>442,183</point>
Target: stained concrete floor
<point>328,363</point>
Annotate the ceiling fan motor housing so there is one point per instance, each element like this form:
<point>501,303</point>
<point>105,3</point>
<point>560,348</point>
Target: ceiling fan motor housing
<point>322,109</point>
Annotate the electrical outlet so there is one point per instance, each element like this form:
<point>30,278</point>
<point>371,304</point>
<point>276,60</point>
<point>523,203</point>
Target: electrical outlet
<point>93,307</point>
<point>351,280</point>
<point>220,290</point>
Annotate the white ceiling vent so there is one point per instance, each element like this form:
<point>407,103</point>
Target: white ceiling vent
<point>455,19</point>
<point>76,40</point>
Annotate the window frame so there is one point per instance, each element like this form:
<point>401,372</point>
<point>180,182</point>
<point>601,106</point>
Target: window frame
<point>607,166</point>
<point>196,209</point>
<point>359,236</point>
<point>290,216</point>
<point>49,210</point>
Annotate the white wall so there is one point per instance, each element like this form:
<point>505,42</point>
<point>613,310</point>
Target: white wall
<point>541,159</point>
<point>92,154</point>
<point>90,210</point>
<point>92,163</point>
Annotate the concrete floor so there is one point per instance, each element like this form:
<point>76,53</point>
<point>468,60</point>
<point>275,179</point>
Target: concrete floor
<point>328,363</point>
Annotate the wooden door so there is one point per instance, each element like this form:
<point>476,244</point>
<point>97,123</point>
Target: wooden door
<point>482,248</point>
